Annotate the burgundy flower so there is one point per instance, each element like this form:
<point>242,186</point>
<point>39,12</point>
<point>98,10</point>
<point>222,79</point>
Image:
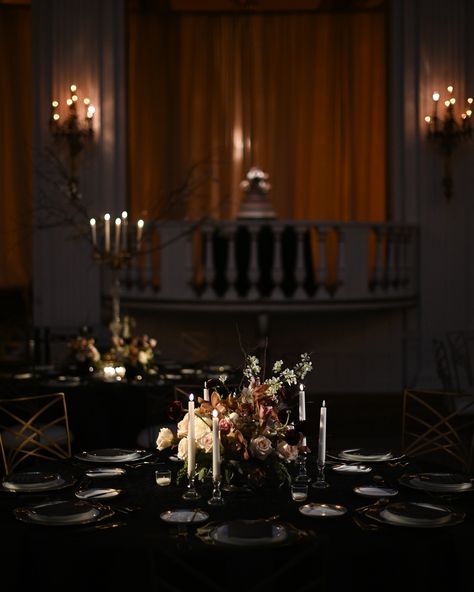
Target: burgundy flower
<point>292,437</point>
<point>175,410</point>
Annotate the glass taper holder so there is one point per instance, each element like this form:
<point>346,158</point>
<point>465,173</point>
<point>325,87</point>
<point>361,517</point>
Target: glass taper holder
<point>216,499</point>
<point>191,493</point>
<point>302,476</point>
<point>320,482</point>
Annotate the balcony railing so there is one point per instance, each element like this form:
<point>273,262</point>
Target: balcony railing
<point>274,265</point>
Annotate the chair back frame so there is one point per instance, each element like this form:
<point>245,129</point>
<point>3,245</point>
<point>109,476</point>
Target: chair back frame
<point>27,419</point>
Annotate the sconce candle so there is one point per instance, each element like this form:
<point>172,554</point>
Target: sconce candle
<point>447,132</point>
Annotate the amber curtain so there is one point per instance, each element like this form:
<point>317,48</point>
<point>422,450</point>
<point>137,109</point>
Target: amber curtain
<point>15,146</point>
<point>300,95</point>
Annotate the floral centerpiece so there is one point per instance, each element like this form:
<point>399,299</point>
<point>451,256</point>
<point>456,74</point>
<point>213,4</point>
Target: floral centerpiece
<point>258,439</point>
<point>83,354</point>
<point>135,353</point>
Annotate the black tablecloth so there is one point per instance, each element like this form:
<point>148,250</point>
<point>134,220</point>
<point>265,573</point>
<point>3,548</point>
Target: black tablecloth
<point>146,553</point>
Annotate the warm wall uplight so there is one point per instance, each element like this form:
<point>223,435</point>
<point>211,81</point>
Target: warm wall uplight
<point>447,131</point>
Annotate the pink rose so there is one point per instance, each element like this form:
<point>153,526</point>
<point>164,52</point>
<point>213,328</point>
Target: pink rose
<point>261,447</point>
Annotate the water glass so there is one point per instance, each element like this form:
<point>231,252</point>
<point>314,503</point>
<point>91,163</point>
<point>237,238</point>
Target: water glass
<point>299,491</point>
<point>163,477</point>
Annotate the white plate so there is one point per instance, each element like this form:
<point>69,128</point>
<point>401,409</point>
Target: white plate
<point>437,482</point>
<point>375,491</point>
<point>97,493</point>
<point>105,472</point>
<point>360,454</point>
<point>322,510</point>
<point>184,516</point>
<point>343,468</point>
<point>113,455</point>
<point>63,513</point>
<point>425,515</point>
<point>220,534</point>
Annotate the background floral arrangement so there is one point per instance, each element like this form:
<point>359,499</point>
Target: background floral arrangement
<point>134,351</point>
<point>258,440</point>
<point>83,351</point>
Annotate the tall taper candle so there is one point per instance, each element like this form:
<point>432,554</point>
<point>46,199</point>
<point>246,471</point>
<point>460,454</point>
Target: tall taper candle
<point>107,233</point>
<point>206,392</point>
<point>191,437</point>
<point>94,232</point>
<point>118,223</point>
<point>322,435</point>
<point>302,408</point>
<point>216,452</point>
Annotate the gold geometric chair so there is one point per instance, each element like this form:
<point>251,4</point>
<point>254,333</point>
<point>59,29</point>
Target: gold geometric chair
<point>33,428</point>
<point>439,425</point>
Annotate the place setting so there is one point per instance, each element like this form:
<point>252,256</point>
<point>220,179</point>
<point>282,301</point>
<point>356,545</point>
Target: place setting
<point>414,515</point>
<point>360,456</point>
<point>113,455</point>
<point>64,513</point>
<point>245,533</point>
<point>36,481</point>
<point>438,482</point>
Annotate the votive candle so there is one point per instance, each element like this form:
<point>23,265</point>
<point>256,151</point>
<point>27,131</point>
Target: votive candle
<point>206,392</point>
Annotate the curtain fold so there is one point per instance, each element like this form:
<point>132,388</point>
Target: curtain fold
<point>300,95</point>
<point>15,146</point>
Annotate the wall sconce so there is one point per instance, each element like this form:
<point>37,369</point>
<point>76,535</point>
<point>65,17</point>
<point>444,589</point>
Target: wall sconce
<point>446,132</point>
<point>72,132</point>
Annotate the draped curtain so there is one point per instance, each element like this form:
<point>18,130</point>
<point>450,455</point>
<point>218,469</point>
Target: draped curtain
<point>15,146</point>
<point>300,95</point>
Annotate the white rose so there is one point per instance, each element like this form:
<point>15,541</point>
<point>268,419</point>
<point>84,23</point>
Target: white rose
<point>286,451</point>
<point>165,438</point>
<point>183,449</point>
<point>261,447</point>
<point>205,442</point>
<point>201,427</point>
<point>234,417</point>
<point>183,426</point>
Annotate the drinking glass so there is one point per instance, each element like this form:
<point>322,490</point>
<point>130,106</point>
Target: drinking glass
<point>299,491</point>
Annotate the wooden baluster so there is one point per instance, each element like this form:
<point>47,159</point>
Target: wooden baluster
<point>209,270</point>
<point>277,272</point>
<point>231,268</point>
<point>341,259</point>
<point>253,270</point>
<point>378,271</point>
<point>300,271</point>
<point>322,271</point>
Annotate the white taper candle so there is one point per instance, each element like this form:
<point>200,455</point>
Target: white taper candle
<point>216,453</point>
<point>322,435</point>
<point>191,437</point>
<point>302,408</point>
